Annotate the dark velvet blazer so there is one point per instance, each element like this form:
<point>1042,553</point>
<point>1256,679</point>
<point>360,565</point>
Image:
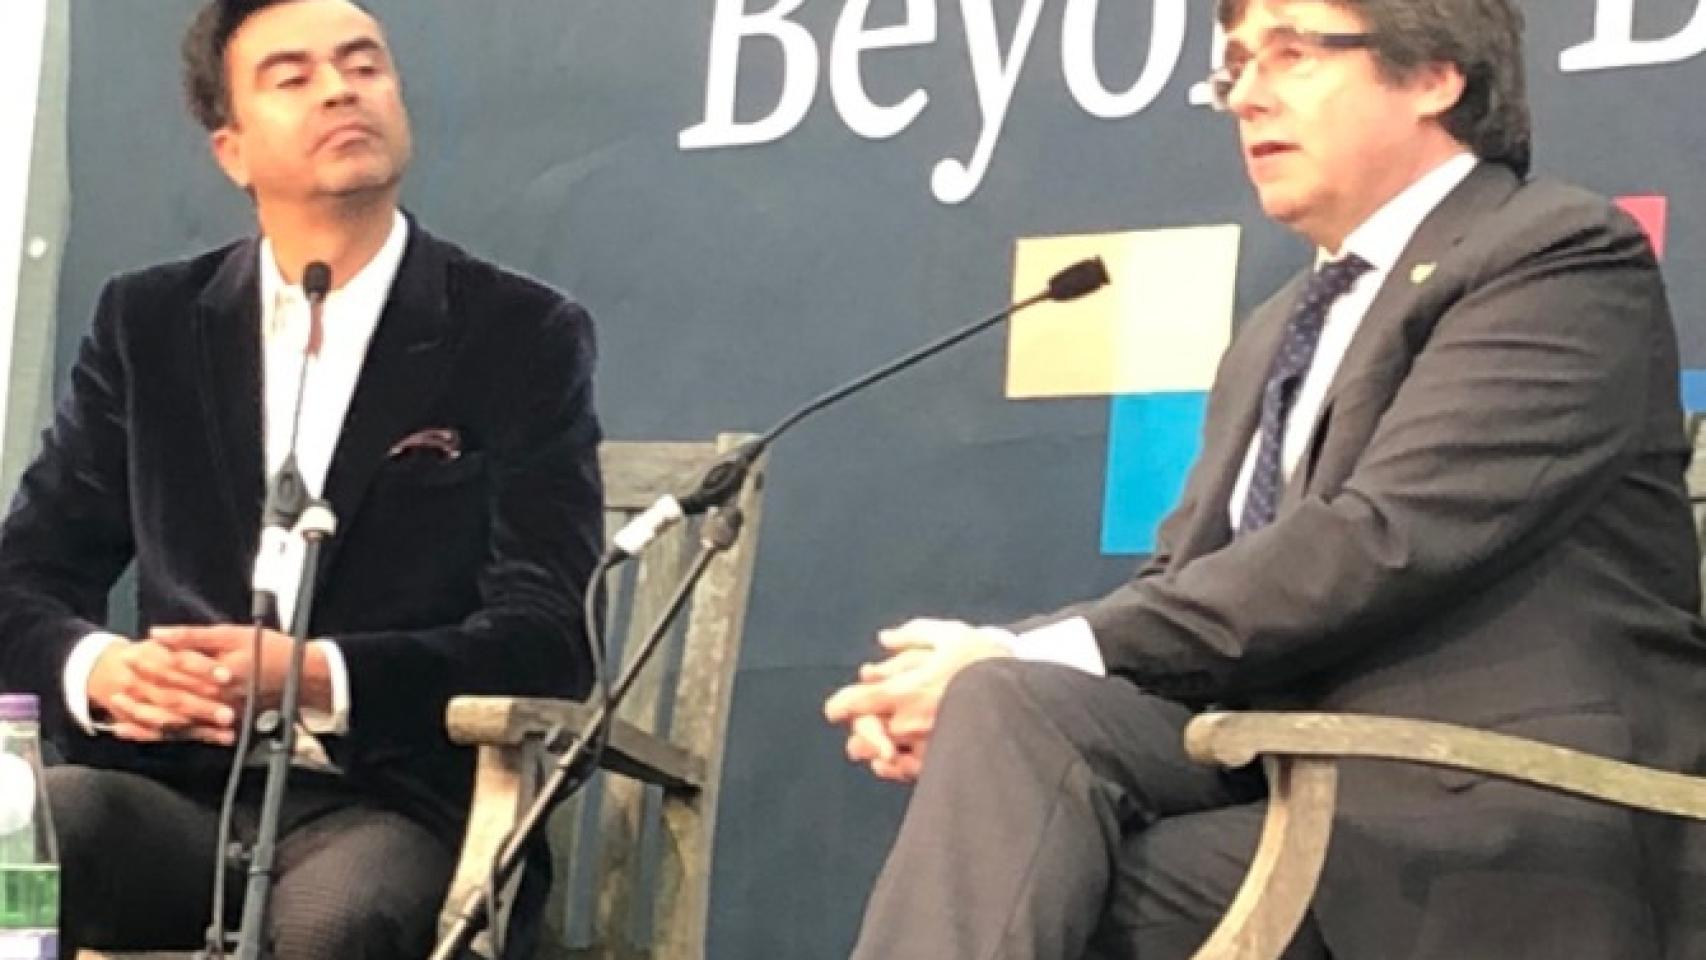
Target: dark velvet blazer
<point>447,575</point>
<point>1488,527</point>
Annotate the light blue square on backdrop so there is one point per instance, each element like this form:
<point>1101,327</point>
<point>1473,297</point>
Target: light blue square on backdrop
<point>1694,390</point>
<point>1152,440</point>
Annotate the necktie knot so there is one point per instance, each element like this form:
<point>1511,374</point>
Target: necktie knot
<point>1329,282</point>
<point>1332,279</point>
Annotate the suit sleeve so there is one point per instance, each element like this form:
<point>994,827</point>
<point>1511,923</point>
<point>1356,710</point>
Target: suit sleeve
<point>545,506</point>
<point>68,534</point>
<point>1522,409</point>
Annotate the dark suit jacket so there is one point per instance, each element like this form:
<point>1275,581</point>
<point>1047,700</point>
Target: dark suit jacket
<point>1489,527</point>
<point>445,576</point>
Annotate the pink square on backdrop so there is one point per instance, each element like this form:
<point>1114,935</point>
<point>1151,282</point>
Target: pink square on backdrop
<point>1650,213</point>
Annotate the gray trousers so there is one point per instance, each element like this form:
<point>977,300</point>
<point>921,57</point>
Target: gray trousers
<point>1058,818</point>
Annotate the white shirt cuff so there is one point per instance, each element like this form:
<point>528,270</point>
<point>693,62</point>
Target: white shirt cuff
<point>1069,643</point>
<point>78,667</point>
<point>336,723</point>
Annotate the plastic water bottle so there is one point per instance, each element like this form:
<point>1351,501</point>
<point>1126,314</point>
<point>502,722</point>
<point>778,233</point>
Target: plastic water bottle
<point>29,856</point>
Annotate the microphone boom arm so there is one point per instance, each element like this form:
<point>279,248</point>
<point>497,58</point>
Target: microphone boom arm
<point>724,478</point>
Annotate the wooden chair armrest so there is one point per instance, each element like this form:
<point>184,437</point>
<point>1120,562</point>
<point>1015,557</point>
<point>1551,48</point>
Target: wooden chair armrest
<point>508,721</point>
<point>1235,739</point>
<point>1300,752</point>
<point>505,782</point>
<point>1276,893</point>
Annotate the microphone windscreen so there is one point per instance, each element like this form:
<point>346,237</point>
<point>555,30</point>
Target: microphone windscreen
<point>316,280</point>
<point>1085,276</point>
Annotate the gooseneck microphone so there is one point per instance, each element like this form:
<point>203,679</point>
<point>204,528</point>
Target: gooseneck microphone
<point>723,478</point>
<point>287,500</point>
<point>287,491</point>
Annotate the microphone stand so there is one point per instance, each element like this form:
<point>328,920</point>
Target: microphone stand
<point>290,512</point>
<point>717,487</point>
<point>315,523</point>
<point>720,531</point>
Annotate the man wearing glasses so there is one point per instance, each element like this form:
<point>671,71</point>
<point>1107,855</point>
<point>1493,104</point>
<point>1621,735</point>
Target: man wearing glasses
<point>1441,477</point>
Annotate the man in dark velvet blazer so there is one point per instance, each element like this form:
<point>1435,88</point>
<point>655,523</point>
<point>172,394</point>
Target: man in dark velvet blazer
<point>447,418</point>
<point>1441,477</point>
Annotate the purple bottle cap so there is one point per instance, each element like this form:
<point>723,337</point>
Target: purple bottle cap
<point>19,706</point>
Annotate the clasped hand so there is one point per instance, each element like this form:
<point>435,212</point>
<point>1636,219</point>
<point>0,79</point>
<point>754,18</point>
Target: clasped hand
<point>890,712</point>
<point>187,683</point>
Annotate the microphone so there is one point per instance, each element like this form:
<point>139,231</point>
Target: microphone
<point>316,283</point>
<point>287,491</point>
<point>723,478</point>
<point>1084,277</point>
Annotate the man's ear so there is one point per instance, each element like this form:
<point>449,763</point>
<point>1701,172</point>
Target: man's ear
<point>1439,87</point>
<point>227,149</point>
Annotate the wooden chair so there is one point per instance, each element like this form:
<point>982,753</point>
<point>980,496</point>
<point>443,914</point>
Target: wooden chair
<point>646,834</point>
<point>1300,753</point>
<point>634,853</point>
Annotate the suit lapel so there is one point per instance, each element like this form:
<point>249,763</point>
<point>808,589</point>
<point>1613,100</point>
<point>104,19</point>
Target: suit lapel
<point>1486,188</point>
<point>228,350</point>
<point>400,377</point>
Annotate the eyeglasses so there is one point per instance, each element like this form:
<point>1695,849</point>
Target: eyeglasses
<point>1290,53</point>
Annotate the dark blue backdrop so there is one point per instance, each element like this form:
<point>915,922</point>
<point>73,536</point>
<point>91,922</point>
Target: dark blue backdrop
<point>729,284</point>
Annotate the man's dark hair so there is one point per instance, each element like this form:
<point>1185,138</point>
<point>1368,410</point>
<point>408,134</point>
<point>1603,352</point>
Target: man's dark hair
<point>1482,38</point>
<point>207,86</point>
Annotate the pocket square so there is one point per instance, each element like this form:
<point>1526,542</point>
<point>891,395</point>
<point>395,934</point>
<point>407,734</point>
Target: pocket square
<point>444,441</point>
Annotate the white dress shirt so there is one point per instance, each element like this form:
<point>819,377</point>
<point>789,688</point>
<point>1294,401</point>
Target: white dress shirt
<point>349,317</point>
<point>1380,240</point>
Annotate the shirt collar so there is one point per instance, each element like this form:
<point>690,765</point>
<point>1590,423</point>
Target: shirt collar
<point>1382,237</point>
<point>371,283</point>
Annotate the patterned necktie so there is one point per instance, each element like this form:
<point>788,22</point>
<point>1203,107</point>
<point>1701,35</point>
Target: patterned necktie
<point>1290,363</point>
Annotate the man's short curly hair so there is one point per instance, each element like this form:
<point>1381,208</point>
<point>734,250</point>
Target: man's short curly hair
<point>207,87</point>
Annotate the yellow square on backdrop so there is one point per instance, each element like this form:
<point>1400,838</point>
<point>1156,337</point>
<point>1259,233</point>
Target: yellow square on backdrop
<point>1159,327</point>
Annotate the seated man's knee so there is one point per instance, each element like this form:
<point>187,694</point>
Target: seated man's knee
<point>985,689</point>
<point>366,924</point>
<point>372,893</point>
<point>86,805</point>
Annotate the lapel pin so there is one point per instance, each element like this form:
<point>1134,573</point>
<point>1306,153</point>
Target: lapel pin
<point>1420,273</point>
